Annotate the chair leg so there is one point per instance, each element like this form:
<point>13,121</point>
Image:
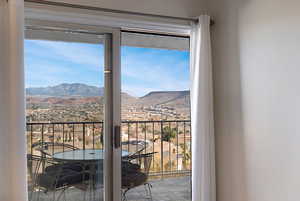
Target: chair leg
<point>146,190</point>
<point>38,194</point>
<point>61,194</point>
<point>91,189</point>
<point>65,195</point>
<point>148,187</point>
<point>84,195</point>
<point>53,195</point>
<point>30,196</point>
<point>124,198</point>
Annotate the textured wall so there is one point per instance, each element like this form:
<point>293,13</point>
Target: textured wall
<point>256,76</point>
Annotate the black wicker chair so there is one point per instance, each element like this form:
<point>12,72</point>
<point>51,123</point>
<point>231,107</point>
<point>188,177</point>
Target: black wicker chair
<point>56,177</point>
<point>49,175</point>
<point>33,164</point>
<point>135,172</point>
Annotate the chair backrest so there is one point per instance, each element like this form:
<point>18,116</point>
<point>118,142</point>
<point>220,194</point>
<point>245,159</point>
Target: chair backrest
<point>33,166</point>
<point>137,145</point>
<point>143,160</point>
<point>146,160</point>
<point>50,148</point>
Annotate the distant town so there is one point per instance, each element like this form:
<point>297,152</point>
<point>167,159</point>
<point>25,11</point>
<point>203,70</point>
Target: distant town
<point>73,114</point>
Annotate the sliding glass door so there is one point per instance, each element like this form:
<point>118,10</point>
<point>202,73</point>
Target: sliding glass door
<point>156,117</point>
<point>72,112</point>
<point>80,145</point>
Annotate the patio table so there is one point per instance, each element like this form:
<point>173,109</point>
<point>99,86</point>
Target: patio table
<point>91,158</point>
<point>87,155</point>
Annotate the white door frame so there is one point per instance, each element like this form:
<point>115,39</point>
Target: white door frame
<point>112,83</point>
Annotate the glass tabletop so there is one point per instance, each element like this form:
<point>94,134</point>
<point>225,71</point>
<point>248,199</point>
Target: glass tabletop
<point>83,155</point>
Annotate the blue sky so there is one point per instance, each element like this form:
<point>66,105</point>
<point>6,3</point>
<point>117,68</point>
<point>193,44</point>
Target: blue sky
<point>49,63</point>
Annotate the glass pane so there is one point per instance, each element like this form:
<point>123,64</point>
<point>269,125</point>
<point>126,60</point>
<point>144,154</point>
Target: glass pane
<point>155,118</point>
<point>64,115</point>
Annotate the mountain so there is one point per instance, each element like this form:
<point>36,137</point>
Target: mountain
<point>77,93</point>
<point>70,94</point>
<point>75,89</point>
<point>171,98</point>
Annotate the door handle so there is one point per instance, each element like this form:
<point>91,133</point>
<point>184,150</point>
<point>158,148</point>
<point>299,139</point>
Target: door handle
<point>117,132</point>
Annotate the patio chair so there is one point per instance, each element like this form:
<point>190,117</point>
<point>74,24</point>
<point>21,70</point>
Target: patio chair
<point>33,163</point>
<point>52,175</point>
<point>55,177</point>
<point>135,172</point>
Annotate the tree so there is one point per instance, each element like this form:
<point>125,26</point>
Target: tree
<point>186,154</point>
<point>168,133</point>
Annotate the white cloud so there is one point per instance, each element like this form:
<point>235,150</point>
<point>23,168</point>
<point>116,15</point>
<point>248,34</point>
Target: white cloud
<point>74,52</point>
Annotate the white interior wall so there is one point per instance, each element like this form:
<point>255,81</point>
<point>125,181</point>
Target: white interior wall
<point>256,77</point>
<point>178,8</point>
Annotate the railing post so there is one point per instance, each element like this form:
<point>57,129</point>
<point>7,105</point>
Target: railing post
<point>184,146</point>
<point>170,158</point>
<point>145,135</point>
<point>83,137</point>
<point>42,134</point>
<point>153,158</point>
<point>190,146</point>
<point>137,136</point>
<point>31,139</point>
<point>177,144</point>
<point>161,149</point>
<point>73,130</point>
<point>63,131</point>
<point>102,134</point>
<point>93,135</point>
<point>53,127</point>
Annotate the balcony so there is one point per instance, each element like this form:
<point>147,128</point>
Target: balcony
<point>167,189</point>
<point>171,140</point>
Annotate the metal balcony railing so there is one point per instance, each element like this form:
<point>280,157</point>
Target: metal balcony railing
<point>170,139</point>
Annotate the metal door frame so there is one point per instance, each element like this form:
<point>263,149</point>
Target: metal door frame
<point>112,96</point>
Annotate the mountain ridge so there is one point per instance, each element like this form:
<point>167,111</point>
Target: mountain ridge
<point>166,98</point>
<point>66,89</point>
<point>66,92</point>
